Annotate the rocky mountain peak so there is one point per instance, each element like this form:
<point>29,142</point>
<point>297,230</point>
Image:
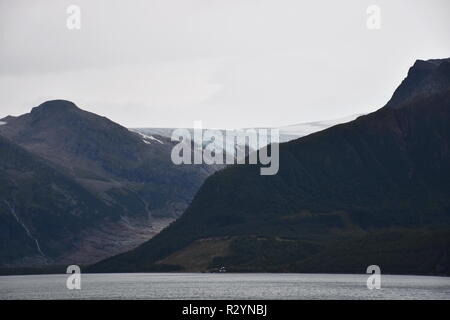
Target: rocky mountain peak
<point>425,77</point>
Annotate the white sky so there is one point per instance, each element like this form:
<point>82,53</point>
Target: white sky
<point>229,63</point>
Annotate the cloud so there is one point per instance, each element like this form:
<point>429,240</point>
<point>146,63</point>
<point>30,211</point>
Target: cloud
<point>228,63</point>
<point>131,94</point>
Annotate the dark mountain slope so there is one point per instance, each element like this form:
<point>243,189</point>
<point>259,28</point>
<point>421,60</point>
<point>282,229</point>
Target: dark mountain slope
<point>383,176</point>
<point>41,209</point>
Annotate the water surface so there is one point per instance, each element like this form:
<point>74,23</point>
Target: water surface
<point>223,286</point>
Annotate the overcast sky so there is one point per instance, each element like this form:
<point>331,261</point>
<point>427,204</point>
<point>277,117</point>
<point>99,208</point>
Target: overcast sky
<point>229,63</point>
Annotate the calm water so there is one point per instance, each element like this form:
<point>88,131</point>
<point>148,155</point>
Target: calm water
<point>223,286</point>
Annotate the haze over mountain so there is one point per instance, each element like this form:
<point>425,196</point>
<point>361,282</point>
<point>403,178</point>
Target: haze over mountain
<point>371,191</point>
<point>286,133</point>
<point>240,152</point>
<point>77,187</point>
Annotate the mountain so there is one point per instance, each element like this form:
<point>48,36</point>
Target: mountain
<point>371,191</point>
<point>81,187</point>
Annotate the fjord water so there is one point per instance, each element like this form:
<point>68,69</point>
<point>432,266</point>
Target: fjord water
<point>223,286</point>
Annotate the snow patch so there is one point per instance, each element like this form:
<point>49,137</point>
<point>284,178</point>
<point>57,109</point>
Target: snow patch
<point>2,123</point>
<point>153,138</point>
<point>146,138</point>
